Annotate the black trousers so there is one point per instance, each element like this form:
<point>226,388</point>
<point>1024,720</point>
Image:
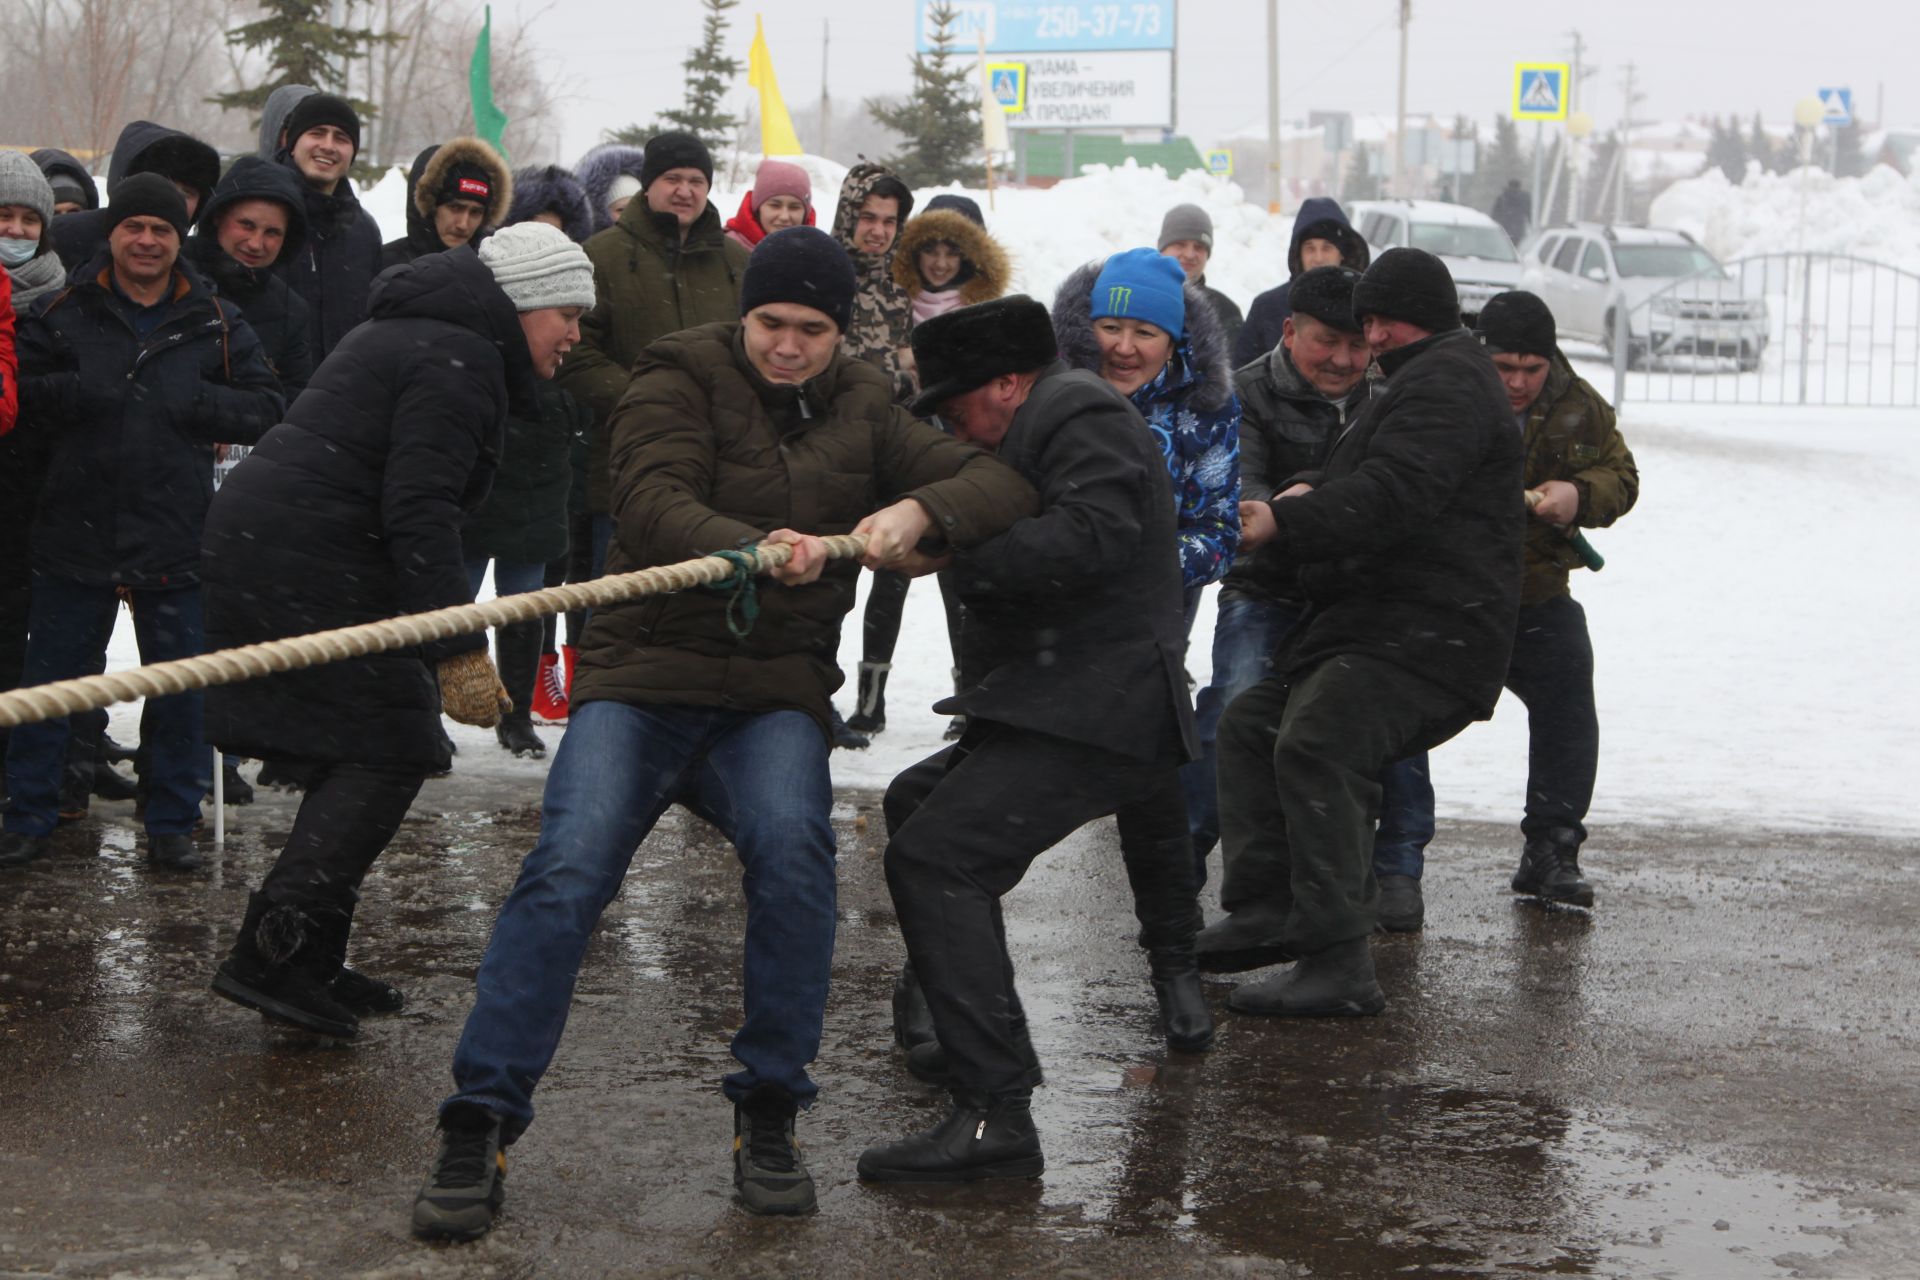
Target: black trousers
<point>887,603</point>
<point>1552,673</point>
<point>965,825</point>
<point>1299,773</point>
<point>349,814</point>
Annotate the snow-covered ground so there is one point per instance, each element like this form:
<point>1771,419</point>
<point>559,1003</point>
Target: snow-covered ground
<point>1754,630</point>
<point>1876,217</point>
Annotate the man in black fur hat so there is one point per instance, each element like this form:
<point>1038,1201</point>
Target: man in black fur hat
<point>1076,707</point>
<point>1409,542</point>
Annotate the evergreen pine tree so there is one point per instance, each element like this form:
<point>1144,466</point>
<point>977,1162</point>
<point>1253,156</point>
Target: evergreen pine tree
<point>1760,146</point>
<point>1596,193</point>
<point>1727,151</point>
<point>940,119</point>
<point>1361,184</point>
<point>302,48</point>
<point>710,73</point>
<point>1504,161</point>
<point>1850,161</point>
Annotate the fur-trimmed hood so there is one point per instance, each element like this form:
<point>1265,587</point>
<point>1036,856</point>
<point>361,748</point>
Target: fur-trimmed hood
<point>540,188</point>
<point>596,171</point>
<point>992,268</point>
<point>430,169</point>
<point>1206,367</point>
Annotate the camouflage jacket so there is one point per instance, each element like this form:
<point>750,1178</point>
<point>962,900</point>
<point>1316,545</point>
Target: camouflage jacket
<point>1571,436</point>
<point>882,323</point>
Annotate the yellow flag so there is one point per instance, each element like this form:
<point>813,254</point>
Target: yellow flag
<point>776,126</point>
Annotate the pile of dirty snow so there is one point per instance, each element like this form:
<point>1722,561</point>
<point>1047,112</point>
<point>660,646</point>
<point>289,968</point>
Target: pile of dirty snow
<point>1875,217</point>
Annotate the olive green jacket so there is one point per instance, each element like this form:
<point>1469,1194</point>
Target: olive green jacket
<point>709,456</point>
<point>647,283</point>
<point>1571,436</point>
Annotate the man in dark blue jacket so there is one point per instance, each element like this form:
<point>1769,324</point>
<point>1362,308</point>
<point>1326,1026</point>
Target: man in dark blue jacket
<point>335,270</point>
<point>134,373</point>
<point>1322,237</point>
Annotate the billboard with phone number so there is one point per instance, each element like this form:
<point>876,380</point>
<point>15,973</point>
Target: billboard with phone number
<point>1054,26</point>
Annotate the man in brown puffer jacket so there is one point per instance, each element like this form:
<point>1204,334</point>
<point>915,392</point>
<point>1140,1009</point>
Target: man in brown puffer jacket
<point>1579,474</point>
<point>729,435</point>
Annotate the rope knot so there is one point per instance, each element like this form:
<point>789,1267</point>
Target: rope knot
<point>741,589</point>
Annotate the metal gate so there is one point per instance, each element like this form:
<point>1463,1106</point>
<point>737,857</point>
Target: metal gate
<point>1779,328</point>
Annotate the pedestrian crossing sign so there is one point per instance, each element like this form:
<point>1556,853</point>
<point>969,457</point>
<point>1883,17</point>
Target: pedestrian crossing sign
<point>1836,107</point>
<point>1220,163</point>
<point>1539,91</point>
<point>1008,81</point>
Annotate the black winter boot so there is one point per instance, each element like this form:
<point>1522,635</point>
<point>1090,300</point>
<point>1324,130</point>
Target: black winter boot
<point>353,990</point>
<point>912,1020</point>
<point>1402,909</point>
<point>1550,869</point>
<point>1247,939</point>
<point>844,738</point>
<point>468,1184</point>
<point>984,1136</point>
<point>768,1169</point>
<point>173,853</point>
<point>277,966</point>
<point>517,646</point>
<point>1337,982</point>
<point>1183,1006</point>
<point>234,788</point>
<point>870,715</point>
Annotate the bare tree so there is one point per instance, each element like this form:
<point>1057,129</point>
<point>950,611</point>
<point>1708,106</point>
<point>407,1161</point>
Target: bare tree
<point>420,82</point>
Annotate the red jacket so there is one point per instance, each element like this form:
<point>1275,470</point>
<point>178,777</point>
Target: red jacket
<point>9,363</point>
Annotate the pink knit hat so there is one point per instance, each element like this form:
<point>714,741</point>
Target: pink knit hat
<point>778,178</point>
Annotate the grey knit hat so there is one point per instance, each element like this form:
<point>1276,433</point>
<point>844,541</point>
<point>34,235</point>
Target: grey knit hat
<point>536,266</point>
<point>1186,222</point>
<point>21,182</point>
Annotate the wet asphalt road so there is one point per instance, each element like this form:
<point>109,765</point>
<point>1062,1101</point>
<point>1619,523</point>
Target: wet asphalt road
<point>1712,1075</point>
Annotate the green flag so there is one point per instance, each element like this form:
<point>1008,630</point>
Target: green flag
<point>489,121</point>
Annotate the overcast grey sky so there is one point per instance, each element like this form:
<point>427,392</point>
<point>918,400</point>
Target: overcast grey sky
<point>618,61</point>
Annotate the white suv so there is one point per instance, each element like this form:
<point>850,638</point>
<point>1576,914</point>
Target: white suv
<point>1678,299</point>
<point>1474,246</point>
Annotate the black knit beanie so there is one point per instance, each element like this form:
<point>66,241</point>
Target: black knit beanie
<point>1326,294</point>
<point>1518,323</point>
<point>147,195</point>
<point>802,265</point>
<point>1410,285</point>
<point>674,150</point>
<point>317,109</point>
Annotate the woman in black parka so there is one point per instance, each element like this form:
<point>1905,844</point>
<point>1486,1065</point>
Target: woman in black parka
<point>349,512</point>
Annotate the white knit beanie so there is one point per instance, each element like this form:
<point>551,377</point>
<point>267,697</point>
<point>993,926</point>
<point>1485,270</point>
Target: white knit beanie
<point>536,266</point>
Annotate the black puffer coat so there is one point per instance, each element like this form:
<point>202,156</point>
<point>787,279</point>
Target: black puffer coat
<point>129,425</point>
<point>1074,615</point>
<point>334,272</point>
<point>1411,539</point>
<point>524,519</point>
<point>350,511</point>
<point>276,314</point>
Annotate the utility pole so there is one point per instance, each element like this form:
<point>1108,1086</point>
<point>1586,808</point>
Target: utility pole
<point>826,104</point>
<point>1273,106</point>
<point>1576,56</point>
<point>1626,136</point>
<point>1400,115</point>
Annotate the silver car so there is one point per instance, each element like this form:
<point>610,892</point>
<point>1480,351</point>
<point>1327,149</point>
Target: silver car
<point>1676,297</point>
<point>1475,248</point>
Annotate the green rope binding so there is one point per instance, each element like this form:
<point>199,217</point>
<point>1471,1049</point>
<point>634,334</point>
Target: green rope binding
<point>743,595</point>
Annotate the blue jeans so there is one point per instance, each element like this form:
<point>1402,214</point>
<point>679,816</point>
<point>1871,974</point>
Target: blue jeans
<point>69,624</point>
<point>762,779</point>
<point>508,579</point>
<point>1245,635</point>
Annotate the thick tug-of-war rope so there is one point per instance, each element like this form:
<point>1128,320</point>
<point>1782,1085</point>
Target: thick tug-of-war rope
<point>731,569</point>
